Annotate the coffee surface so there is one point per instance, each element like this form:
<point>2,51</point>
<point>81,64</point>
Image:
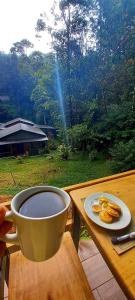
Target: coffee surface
<point>42,205</point>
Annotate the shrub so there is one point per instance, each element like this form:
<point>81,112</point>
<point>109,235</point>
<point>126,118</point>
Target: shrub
<point>123,156</point>
<point>52,144</point>
<point>87,139</point>
<point>64,152</point>
<point>93,154</point>
<point>78,136</point>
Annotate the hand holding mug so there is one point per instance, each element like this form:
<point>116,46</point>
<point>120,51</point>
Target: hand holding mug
<point>5,226</point>
<point>40,215</point>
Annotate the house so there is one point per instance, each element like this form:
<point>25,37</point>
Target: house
<point>50,131</point>
<point>20,136</point>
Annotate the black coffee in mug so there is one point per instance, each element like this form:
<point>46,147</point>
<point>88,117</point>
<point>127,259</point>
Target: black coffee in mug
<point>43,204</point>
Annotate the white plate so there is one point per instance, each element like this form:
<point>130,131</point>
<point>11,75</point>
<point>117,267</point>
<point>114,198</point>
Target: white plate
<point>121,223</point>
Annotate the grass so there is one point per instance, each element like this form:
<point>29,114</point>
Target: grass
<point>16,174</point>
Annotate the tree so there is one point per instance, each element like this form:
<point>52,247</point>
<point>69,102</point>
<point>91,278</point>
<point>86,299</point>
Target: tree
<point>16,86</point>
<point>21,47</point>
<point>68,39</point>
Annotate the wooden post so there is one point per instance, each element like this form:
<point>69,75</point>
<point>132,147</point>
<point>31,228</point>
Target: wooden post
<point>76,227</point>
<point>2,279</point>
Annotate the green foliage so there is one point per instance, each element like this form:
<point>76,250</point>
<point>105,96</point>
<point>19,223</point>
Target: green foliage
<point>21,47</point>
<point>78,136</point>
<point>15,89</point>
<point>123,156</point>
<point>84,233</point>
<point>52,144</point>
<point>64,152</point>
<point>95,57</point>
<point>93,155</point>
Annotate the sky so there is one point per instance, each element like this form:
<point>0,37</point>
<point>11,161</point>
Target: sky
<point>18,20</point>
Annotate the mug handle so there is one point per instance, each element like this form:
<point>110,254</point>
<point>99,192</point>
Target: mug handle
<point>11,238</point>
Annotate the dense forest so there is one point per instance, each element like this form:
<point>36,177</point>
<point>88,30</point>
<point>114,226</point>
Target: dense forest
<point>86,84</point>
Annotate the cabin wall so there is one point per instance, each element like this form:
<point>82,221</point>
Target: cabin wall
<point>19,149</point>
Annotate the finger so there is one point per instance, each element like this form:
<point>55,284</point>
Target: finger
<point>5,227</point>
<point>2,248</point>
<point>2,214</point>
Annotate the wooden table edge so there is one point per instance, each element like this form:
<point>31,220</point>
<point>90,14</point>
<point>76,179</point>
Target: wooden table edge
<point>91,183</point>
<point>97,181</point>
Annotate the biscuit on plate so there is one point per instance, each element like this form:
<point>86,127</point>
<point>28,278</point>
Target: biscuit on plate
<point>104,205</point>
<point>105,217</point>
<point>114,206</point>
<point>96,208</point>
<point>112,212</point>
<point>103,199</point>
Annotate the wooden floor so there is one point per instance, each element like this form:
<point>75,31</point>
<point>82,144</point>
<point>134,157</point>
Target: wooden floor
<point>101,280</point>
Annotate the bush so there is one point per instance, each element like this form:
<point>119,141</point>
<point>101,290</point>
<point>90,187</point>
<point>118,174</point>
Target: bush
<point>93,154</point>
<point>123,156</point>
<point>87,139</point>
<point>78,136</point>
<point>64,152</point>
<point>52,144</point>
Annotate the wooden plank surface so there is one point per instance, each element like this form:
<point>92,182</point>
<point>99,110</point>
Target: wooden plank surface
<point>123,267</point>
<point>60,278</point>
<point>97,181</point>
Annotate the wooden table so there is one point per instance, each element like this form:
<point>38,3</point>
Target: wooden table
<point>123,186</point>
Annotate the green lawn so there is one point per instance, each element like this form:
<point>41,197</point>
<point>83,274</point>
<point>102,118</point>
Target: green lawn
<point>38,170</point>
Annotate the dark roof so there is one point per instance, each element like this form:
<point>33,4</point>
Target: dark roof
<point>42,139</point>
<point>24,121</point>
<point>1,126</point>
<point>19,124</point>
<point>18,127</point>
<point>18,120</point>
<point>44,126</point>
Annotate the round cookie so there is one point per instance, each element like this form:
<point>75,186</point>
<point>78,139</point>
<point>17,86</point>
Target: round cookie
<point>112,212</point>
<point>114,206</point>
<point>96,208</point>
<point>105,217</point>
